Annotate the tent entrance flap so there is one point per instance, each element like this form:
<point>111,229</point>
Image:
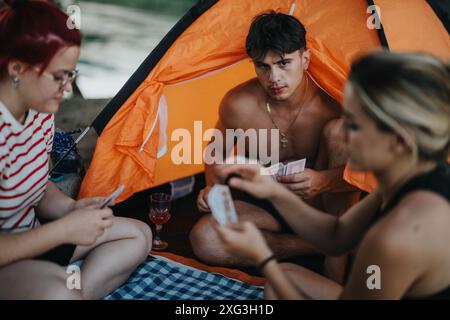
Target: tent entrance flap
<point>197,104</point>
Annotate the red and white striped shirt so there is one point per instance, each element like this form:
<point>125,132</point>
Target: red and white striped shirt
<point>24,156</point>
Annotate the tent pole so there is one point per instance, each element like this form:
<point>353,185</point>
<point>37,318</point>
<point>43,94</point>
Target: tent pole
<point>81,136</point>
<point>381,34</point>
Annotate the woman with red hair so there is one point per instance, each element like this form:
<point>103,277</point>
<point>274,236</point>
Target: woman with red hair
<point>38,55</point>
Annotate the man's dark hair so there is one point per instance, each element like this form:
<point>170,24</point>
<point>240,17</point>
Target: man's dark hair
<point>278,32</point>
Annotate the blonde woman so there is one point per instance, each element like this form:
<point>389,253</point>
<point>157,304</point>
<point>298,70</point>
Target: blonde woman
<point>397,114</point>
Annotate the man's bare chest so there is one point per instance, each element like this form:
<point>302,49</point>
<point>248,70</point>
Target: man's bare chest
<point>299,139</point>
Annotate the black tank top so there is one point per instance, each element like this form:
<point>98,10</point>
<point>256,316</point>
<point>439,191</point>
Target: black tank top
<point>437,181</point>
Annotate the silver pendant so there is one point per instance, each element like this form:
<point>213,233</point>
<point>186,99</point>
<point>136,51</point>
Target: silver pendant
<point>284,141</point>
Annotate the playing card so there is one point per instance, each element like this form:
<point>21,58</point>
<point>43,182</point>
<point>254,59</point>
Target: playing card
<point>273,170</point>
<point>221,204</point>
<point>280,169</point>
<point>295,167</point>
<point>112,197</point>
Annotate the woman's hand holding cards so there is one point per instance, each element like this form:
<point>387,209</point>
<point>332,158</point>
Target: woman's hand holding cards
<point>95,202</point>
<point>250,178</point>
<point>89,218</point>
<point>84,226</point>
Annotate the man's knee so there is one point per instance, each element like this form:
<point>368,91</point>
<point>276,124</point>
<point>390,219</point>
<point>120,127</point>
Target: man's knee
<point>198,233</point>
<point>334,136</point>
<point>205,241</point>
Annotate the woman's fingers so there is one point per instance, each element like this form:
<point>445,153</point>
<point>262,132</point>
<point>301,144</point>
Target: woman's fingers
<point>222,232</point>
<point>106,223</point>
<point>95,200</point>
<point>202,204</point>
<point>88,202</point>
<point>228,233</point>
<point>301,187</point>
<point>203,208</point>
<point>243,185</point>
<point>106,213</point>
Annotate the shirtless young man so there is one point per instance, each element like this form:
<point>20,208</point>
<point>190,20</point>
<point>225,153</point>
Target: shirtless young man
<point>284,97</point>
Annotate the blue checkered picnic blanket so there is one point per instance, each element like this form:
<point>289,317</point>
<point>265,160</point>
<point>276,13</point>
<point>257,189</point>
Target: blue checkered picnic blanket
<point>159,278</point>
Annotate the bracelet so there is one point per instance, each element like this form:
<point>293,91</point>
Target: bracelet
<point>266,261</point>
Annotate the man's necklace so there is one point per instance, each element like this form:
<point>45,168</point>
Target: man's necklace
<point>284,135</point>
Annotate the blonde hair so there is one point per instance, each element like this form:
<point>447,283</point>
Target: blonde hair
<point>408,94</point>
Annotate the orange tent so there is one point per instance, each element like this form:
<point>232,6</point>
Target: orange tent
<point>203,56</point>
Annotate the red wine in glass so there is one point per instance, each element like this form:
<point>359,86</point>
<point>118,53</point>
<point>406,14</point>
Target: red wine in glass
<point>159,214</point>
<point>158,217</point>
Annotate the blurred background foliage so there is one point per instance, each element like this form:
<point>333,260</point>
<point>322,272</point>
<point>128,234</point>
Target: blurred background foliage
<point>171,7</point>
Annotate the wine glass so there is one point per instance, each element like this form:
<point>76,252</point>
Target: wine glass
<point>159,214</point>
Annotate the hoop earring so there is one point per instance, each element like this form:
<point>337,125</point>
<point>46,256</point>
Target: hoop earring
<point>15,82</point>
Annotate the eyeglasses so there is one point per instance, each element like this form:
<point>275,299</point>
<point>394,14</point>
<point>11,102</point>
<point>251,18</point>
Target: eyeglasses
<point>61,79</point>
